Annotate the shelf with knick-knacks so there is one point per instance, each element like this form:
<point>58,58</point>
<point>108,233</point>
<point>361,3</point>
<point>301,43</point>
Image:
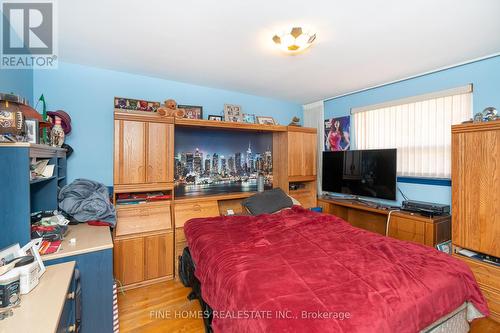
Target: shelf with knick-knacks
<point>24,190</point>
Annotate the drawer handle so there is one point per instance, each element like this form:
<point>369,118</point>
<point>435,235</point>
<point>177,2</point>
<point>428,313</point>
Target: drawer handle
<point>72,328</point>
<point>197,208</point>
<point>71,295</point>
<point>144,212</point>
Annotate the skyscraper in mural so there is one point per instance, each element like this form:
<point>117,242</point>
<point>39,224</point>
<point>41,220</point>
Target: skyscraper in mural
<point>219,162</point>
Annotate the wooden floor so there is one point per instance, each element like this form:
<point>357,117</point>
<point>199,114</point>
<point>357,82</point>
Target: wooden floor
<point>154,308</point>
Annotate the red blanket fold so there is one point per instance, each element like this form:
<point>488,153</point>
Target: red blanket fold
<point>300,271</point>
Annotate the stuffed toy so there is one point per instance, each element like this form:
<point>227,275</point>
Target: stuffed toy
<point>170,109</point>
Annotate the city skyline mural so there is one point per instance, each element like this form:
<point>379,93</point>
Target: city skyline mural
<point>213,161</point>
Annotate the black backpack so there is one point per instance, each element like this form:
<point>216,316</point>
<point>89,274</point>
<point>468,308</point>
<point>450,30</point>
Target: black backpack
<point>186,268</point>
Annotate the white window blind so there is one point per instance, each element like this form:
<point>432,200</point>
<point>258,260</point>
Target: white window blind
<point>314,117</point>
<point>419,127</point>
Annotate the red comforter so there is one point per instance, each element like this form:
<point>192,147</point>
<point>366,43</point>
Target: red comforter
<point>299,271</point>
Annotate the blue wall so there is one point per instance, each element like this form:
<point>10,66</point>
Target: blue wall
<point>17,81</point>
<point>86,94</point>
<point>484,75</point>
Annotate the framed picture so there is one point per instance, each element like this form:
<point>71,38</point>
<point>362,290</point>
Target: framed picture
<point>444,247</point>
<point>249,118</point>
<point>337,134</point>
<point>265,120</point>
<point>32,132</point>
<point>233,113</point>
<point>192,111</point>
<point>31,249</point>
<point>214,117</point>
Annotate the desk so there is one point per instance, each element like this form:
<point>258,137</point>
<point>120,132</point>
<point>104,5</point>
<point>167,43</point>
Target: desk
<point>403,225</point>
<point>93,254</point>
<point>41,310</point>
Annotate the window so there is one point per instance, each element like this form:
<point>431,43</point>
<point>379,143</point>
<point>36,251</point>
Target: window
<point>419,127</point>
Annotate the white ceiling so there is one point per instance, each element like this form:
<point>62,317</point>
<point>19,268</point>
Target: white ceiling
<point>227,43</point>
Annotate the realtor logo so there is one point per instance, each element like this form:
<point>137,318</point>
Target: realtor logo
<point>28,32</point>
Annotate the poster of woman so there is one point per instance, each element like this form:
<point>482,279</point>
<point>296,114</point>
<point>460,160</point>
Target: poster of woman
<point>337,134</point>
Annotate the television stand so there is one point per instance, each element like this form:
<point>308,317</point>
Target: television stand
<point>358,199</point>
<point>403,225</point>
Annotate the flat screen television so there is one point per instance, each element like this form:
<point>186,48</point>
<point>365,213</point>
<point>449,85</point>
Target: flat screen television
<point>367,173</point>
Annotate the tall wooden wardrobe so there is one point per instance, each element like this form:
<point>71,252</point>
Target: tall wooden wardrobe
<point>475,209</point>
<point>143,162</point>
<point>148,235</point>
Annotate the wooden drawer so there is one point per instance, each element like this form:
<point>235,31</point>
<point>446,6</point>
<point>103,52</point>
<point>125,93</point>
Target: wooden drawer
<point>487,275</point>
<point>407,229</point>
<point>493,299</point>
<point>191,210</point>
<point>145,217</point>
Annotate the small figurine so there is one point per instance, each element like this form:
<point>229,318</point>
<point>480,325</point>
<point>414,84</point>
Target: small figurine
<point>170,109</point>
<point>295,121</point>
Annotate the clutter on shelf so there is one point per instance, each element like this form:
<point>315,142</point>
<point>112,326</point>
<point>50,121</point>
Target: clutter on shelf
<point>137,198</point>
<point>41,169</point>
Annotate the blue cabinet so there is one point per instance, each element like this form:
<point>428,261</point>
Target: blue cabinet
<point>96,278</point>
<point>68,319</point>
<point>20,196</point>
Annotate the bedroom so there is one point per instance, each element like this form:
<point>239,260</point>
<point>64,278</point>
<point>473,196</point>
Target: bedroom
<point>250,167</point>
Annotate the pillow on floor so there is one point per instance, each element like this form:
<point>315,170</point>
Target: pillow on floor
<point>267,202</point>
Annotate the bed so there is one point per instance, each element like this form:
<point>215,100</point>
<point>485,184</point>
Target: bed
<point>301,271</point>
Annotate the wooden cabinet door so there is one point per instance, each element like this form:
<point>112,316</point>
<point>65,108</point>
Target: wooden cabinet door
<point>301,154</point>
<point>476,183</point>
<point>130,154</point>
<point>129,260</point>
<point>310,151</point>
<point>159,256</point>
<point>295,154</point>
<point>160,153</point>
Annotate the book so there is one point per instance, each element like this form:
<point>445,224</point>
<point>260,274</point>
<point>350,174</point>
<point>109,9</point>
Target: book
<point>49,247</point>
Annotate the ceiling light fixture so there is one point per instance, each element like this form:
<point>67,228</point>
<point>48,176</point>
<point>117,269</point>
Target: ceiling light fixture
<point>295,41</point>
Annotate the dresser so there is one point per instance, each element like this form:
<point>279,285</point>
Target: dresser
<point>476,214</point>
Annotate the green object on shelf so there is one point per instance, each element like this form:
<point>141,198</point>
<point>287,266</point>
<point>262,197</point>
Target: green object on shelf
<point>45,137</point>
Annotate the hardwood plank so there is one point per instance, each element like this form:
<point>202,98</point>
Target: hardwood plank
<point>135,308</point>
<point>484,325</point>
<point>141,309</point>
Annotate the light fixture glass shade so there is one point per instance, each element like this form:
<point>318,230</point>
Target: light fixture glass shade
<point>295,40</point>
